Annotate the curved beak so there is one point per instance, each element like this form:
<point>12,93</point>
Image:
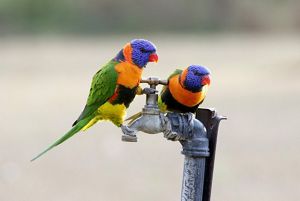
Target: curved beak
<point>206,80</point>
<point>153,57</point>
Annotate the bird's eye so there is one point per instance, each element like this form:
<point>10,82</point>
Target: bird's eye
<point>143,50</point>
<point>197,73</point>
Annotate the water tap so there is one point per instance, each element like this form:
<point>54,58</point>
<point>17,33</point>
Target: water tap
<point>151,121</point>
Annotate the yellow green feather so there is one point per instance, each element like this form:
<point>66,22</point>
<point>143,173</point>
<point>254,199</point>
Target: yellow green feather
<point>107,111</point>
<point>162,106</point>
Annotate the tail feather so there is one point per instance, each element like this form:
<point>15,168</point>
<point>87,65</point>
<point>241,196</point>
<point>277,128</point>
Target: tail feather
<point>69,134</point>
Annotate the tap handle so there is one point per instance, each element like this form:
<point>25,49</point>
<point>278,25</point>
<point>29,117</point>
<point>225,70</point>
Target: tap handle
<point>154,81</point>
<point>163,82</point>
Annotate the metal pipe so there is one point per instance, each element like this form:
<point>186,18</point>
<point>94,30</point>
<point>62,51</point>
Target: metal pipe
<point>192,135</point>
<point>193,179</point>
<point>196,138</point>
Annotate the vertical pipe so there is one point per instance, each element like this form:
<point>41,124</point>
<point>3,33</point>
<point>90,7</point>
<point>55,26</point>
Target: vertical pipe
<point>195,150</point>
<point>193,179</point>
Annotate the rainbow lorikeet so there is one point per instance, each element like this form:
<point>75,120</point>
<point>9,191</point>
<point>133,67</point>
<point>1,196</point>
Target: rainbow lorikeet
<point>186,90</point>
<point>113,88</point>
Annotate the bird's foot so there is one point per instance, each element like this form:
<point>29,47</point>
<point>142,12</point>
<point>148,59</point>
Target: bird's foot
<point>128,134</point>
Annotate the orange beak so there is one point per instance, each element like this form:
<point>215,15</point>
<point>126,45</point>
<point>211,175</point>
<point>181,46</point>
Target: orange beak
<point>153,57</point>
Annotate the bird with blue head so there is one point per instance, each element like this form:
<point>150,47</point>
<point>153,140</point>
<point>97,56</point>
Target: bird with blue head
<point>113,88</point>
<point>138,52</point>
<point>186,89</point>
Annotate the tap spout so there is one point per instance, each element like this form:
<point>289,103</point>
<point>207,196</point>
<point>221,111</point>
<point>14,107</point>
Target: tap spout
<point>152,121</point>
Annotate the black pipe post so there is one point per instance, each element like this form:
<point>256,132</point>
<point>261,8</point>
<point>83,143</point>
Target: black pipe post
<point>211,121</point>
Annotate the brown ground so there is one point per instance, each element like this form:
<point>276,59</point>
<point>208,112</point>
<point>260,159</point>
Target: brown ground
<point>44,83</point>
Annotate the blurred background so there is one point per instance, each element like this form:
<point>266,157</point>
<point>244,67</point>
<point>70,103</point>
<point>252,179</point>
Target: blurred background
<point>49,51</point>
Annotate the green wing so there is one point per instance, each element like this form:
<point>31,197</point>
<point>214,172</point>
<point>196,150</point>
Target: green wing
<point>162,106</point>
<point>102,88</point>
<point>176,72</point>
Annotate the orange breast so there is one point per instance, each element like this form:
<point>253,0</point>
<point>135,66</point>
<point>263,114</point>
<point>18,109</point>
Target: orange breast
<point>182,95</point>
<point>129,74</point>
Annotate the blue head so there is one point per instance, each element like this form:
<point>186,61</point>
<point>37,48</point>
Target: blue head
<point>194,78</point>
<point>138,52</point>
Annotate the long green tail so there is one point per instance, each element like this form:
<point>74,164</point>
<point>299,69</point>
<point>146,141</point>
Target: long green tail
<point>69,134</point>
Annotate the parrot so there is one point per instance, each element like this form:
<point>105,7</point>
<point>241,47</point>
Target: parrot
<point>186,90</point>
<point>113,88</point>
